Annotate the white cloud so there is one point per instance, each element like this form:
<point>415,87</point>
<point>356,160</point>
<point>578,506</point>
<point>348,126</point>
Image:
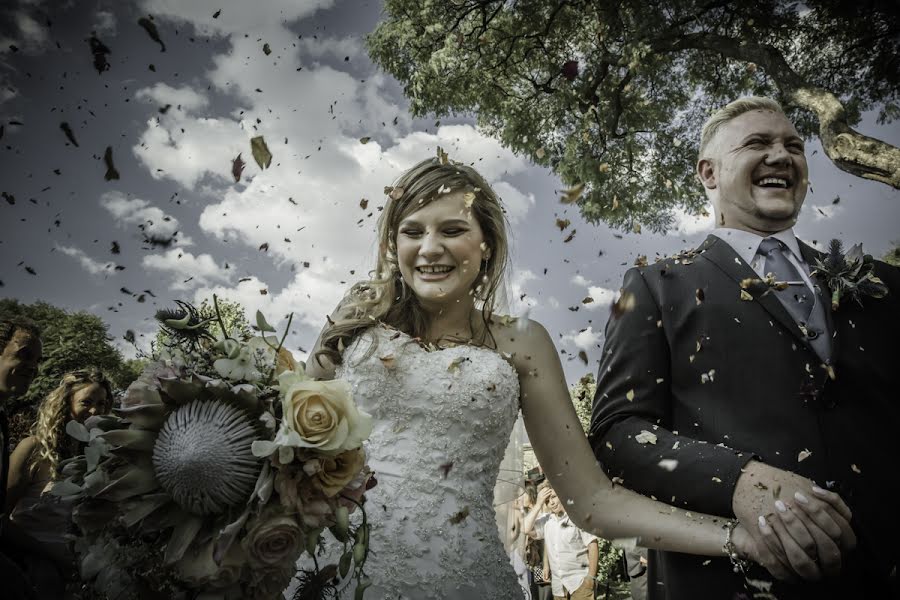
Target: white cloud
<point>152,220</point>
<point>236,17</point>
<point>517,204</point>
<point>688,224</point>
<point>585,339</point>
<point>94,267</point>
<point>602,296</point>
<point>183,98</point>
<point>187,270</point>
<point>334,47</point>
<point>104,23</point>
<point>309,296</point>
<point>518,304</point>
<point>579,279</point>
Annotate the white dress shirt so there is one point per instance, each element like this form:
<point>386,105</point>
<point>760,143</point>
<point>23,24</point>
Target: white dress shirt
<point>746,244</point>
<point>567,551</point>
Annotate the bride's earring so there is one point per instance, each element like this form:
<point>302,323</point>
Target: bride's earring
<point>402,290</point>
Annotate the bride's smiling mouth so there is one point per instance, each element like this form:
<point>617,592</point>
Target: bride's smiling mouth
<point>434,272</point>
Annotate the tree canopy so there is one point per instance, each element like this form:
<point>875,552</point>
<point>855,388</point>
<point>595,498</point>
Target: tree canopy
<point>612,95</point>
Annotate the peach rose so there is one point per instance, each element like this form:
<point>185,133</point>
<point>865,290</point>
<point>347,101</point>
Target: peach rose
<point>337,471</point>
<point>324,415</point>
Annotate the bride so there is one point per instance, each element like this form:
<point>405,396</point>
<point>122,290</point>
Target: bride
<point>444,379</point>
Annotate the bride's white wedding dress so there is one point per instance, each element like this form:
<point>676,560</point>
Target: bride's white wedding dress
<point>442,423</point>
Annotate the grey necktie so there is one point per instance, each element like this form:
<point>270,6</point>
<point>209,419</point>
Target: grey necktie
<point>796,297</point>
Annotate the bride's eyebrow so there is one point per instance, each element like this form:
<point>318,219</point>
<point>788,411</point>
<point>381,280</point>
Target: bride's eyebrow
<point>453,221</point>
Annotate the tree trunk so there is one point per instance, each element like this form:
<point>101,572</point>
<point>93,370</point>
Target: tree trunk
<point>848,149</point>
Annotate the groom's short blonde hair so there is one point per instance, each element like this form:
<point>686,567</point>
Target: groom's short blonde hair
<point>729,112</point>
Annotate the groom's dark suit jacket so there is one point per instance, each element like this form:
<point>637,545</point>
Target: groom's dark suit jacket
<point>720,380</point>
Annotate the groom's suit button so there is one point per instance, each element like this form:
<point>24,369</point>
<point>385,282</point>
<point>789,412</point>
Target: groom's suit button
<point>811,334</point>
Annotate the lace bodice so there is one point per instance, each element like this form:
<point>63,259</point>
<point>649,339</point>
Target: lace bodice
<point>442,422</point>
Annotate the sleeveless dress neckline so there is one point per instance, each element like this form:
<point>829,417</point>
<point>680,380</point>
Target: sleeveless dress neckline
<point>441,424</point>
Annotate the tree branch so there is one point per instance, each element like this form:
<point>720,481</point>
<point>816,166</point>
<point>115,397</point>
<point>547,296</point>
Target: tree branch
<point>850,150</point>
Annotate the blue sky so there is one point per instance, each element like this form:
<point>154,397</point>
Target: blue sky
<point>312,98</point>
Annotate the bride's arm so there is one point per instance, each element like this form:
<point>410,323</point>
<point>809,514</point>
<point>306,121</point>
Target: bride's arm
<point>591,500</point>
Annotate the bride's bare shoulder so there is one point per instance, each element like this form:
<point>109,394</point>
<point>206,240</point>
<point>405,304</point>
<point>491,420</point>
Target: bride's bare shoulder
<point>521,340</point>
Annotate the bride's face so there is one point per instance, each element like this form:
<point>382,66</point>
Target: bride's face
<point>439,250</point>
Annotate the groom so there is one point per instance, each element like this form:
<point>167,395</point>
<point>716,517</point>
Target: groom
<point>750,394</point>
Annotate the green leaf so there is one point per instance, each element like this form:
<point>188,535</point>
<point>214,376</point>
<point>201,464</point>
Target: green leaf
<point>261,153</point>
<point>345,563</point>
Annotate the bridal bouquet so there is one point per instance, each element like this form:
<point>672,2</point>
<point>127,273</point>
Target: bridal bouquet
<point>222,466</point>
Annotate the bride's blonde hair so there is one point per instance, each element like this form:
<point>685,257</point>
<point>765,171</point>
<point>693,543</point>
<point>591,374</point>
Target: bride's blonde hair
<point>54,412</point>
<point>384,298</point>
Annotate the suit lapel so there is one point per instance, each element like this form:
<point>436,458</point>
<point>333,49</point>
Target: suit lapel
<point>721,254</point>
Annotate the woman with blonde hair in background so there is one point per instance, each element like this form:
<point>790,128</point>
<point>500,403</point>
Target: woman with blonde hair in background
<point>34,466</point>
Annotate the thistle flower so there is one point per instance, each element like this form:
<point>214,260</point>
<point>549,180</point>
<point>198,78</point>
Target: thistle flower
<point>183,323</point>
<point>202,457</point>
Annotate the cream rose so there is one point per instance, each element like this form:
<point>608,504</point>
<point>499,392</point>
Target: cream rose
<point>337,471</point>
<point>272,541</point>
<point>324,415</point>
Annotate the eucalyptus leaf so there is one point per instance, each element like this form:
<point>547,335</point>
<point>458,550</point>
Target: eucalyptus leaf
<point>65,488</point>
<point>184,533</point>
<point>78,431</point>
<point>261,322</point>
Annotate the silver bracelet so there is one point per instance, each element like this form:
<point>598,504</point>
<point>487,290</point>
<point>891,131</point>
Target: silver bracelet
<point>740,565</point>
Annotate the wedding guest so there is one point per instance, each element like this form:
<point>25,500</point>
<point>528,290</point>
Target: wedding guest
<point>636,563</point>
<point>34,467</point>
<point>20,355</point>
<point>572,554</point>
<point>720,389</point>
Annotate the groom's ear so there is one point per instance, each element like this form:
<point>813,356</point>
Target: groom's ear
<point>706,173</point>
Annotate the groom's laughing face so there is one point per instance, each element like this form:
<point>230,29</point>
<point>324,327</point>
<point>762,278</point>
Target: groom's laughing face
<point>756,173</point>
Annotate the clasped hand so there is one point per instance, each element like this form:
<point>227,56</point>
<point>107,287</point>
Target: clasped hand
<point>802,535</point>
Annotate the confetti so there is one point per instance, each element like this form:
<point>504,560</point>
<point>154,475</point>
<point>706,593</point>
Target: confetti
<point>645,437</point>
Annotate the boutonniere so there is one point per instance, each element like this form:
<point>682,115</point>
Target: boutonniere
<point>849,275</point>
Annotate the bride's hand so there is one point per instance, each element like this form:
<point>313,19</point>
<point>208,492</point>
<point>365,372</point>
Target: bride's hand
<point>750,549</point>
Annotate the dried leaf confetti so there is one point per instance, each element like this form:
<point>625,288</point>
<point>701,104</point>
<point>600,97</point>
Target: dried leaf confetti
<point>68,132</point>
<point>645,437</point>
<point>99,50</point>
<point>668,464</point>
<point>460,516</point>
<point>237,167</point>
<point>572,194</point>
<point>111,172</point>
<point>803,455</point>
<point>625,303</point>
<point>261,153</point>
<point>150,27</point>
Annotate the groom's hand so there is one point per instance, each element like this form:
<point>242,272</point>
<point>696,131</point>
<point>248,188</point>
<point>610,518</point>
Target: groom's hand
<point>806,538</point>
